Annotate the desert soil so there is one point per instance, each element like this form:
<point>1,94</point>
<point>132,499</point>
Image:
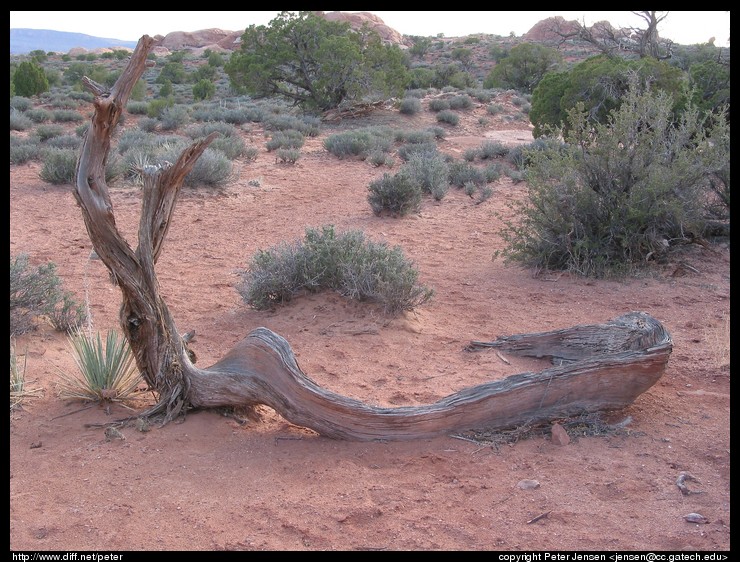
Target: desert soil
<point>211,482</point>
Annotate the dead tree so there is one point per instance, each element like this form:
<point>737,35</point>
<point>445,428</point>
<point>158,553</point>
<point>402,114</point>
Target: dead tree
<point>618,42</point>
<point>601,366</point>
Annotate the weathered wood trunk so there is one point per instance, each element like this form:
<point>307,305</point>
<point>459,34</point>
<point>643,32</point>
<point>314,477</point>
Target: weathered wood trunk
<point>602,366</point>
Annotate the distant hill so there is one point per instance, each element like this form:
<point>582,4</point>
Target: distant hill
<point>23,40</point>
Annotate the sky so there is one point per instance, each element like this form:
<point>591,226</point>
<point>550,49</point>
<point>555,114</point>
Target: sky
<point>683,27</point>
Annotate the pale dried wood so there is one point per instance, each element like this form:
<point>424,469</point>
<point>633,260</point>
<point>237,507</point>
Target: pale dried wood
<point>599,366</point>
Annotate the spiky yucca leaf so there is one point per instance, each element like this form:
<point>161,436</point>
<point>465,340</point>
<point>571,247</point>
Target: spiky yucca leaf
<point>108,372</point>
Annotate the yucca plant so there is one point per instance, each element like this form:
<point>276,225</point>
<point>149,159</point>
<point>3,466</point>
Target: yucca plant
<point>108,372</point>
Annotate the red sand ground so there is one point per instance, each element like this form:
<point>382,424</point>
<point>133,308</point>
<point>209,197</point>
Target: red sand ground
<point>209,483</point>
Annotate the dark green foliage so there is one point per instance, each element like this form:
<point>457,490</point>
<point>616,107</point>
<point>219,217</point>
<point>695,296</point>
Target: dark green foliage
<point>315,63</point>
<point>397,195</point>
<point>600,83</point>
<point>357,268</point>
<point>710,81</point>
<point>38,292</point>
<point>523,68</point>
<point>204,89</point>
<point>29,79</point>
<point>173,72</point>
<point>620,193</point>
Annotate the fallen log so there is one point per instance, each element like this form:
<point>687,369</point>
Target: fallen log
<point>600,366</point>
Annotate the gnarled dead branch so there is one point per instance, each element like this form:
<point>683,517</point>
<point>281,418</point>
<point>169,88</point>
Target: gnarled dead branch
<point>602,366</point>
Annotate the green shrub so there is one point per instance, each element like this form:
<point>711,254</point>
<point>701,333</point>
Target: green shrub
<point>406,151</point>
<point>360,142</point>
<point>348,263</point>
<point>493,149</point>
<point>38,292</point>
<point>59,165</point>
<point>21,103</point>
<point>438,104</point>
<point>109,373</point>
<point>397,195</point>
<point>470,154</point>
<point>46,132</point>
<point>137,107</point>
<point>24,150</point>
<point>620,193</point>
<point>38,115</point>
<point>410,106</point>
<point>232,147</point>
<point>148,124</point>
<point>449,117</point>
<point>67,116</point>
<point>464,172</point>
<point>430,171</point>
<point>288,155</point>
<point>174,117</point>
<point>494,108</point>
<point>29,79</point>
<point>461,102</point>
<point>19,121</point>
<point>65,141</point>
<point>290,139</point>
<point>204,89</point>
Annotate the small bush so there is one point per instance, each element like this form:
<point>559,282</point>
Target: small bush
<point>449,117</point>
<point>493,149</point>
<point>39,115</point>
<point>108,372</point>
<point>232,147</point>
<point>38,292</point>
<point>148,124</point>
<point>290,139</point>
<point>174,117</point>
<point>19,121</point>
<point>461,102</point>
<point>470,154</point>
<point>137,107</point>
<point>410,106</point>
<point>360,142</point>
<point>438,104</point>
<point>406,151</point>
<point>65,141</point>
<point>431,172</point>
<point>46,132</point>
<point>346,262</point>
<point>494,109</point>
<point>464,172</point>
<point>67,116</point>
<point>23,149</point>
<point>287,155</point>
<point>59,165</point>
<point>21,103</point>
<point>396,194</point>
